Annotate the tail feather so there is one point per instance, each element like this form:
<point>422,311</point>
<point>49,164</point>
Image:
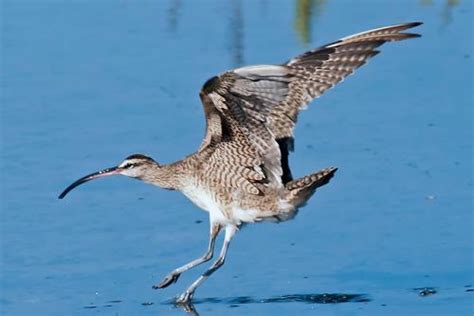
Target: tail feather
<point>300,190</point>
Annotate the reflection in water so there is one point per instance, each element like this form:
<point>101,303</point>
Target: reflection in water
<point>425,291</point>
<point>447,10</point>
<point>236,29</point>
<point>173,15</point>
<point>334,298</point>
<point>306,11</point>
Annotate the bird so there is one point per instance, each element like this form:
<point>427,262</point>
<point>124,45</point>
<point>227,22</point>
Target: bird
<point>240,174</point>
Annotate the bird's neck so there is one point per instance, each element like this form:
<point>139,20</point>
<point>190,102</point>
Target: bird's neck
<point>165,176</point>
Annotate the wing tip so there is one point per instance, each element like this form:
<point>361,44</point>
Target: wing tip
<point>389,33</point>
<point>411,35</point>
<point>413,24</point>
<point>399,26</point>
<point>409,25</point>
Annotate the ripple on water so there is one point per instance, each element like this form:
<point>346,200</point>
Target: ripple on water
<point>325,298</point>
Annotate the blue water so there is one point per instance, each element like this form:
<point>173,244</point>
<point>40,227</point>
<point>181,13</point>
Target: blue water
<point>86,83</point>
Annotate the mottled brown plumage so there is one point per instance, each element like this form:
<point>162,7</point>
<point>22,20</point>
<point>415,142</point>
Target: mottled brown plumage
<point>240,174</point>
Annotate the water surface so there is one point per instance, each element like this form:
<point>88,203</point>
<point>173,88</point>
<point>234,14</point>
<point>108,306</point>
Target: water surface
<point>85,84</point>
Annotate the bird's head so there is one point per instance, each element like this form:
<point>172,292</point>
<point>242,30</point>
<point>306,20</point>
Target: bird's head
<point>134,166</point>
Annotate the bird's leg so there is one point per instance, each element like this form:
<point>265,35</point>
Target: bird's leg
<point>187,295</point>
<point>174,275</point>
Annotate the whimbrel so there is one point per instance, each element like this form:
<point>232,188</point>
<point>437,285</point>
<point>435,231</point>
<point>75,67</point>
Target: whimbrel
<point>240,174</point>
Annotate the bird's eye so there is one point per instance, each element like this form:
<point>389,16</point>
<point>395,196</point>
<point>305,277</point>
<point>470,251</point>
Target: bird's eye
<point>129,165</point>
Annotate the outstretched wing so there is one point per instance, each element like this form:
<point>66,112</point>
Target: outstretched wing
<point>261,103</point>
<point>242,149</point>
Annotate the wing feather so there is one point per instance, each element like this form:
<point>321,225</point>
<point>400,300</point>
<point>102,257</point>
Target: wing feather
<point>251,111</point>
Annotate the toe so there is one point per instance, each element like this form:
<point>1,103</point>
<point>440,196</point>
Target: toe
<point>167,281</point>
<point>184,298</point>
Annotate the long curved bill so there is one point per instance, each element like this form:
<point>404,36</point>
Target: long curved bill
<point>92,176</point>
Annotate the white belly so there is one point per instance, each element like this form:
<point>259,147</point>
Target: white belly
<point>203,199</point>
<point>233,213</point>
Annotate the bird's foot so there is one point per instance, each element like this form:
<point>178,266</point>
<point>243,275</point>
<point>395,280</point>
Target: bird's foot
<point>185,298</point>
<point>167,281</point>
